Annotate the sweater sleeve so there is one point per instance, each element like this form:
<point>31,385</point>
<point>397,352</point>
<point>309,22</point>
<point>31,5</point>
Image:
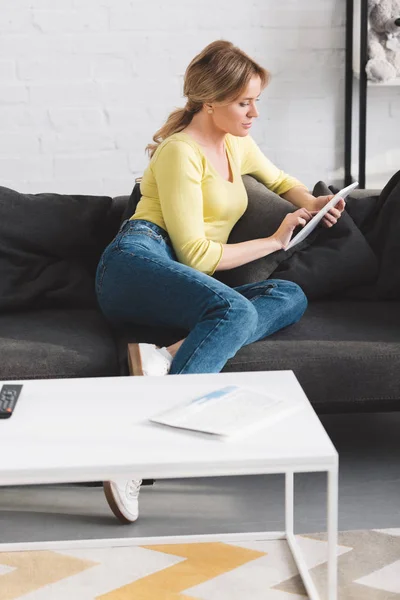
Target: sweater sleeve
<point>254,162</point>
<point>178,173</point>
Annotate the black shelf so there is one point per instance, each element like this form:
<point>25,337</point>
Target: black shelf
<point>355,20</point>
<point>357,26</point>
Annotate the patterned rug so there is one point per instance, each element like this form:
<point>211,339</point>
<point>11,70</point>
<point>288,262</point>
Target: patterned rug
<point>369,569</point>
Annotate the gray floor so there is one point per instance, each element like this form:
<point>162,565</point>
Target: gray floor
<point>369,450</point>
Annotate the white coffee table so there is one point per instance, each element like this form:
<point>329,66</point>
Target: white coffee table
<point>95,429</point>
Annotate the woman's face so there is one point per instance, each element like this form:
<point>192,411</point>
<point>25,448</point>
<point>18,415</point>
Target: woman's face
<point>237,117</point>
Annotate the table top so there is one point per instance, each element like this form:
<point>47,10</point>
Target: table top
<point>91,429</point>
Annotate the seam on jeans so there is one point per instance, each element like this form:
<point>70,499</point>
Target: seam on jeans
<point>229,307</point>
<point>102,268</point>
<point>118,240</point>
<point>102,271</point>
<point>204,340</point>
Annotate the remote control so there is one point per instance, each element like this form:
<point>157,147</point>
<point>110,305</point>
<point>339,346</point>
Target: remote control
<point>9,395</point>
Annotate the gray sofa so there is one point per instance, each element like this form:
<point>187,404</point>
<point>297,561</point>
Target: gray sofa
<point>345,351</point>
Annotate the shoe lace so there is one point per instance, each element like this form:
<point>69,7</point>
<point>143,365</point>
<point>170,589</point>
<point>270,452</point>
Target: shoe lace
<point>133,487</point>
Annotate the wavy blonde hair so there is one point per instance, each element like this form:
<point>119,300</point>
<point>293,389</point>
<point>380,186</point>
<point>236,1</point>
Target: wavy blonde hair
<point>219,73</point>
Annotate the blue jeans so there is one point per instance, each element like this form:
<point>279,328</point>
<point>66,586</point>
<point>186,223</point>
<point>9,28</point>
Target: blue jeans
<point>140,280</point>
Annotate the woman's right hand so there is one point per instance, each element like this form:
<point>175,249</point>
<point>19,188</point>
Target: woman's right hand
<point>300,217</point>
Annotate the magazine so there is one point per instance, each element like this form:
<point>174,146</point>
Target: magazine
<point>229,411</point>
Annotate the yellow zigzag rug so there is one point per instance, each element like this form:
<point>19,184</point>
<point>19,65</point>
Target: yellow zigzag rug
<point>369,569</point>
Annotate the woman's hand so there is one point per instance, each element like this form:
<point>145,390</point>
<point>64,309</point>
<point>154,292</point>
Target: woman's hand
<point>283,235</point>
<point>333,215</point>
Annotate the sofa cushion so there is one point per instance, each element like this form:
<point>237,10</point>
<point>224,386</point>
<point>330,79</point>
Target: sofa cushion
<point>338,259</point>
<point>326,262</point>
<point>116,215</point>
<point>361,204</point>
<point>49,248</point>
<point>383,236</point>
<point>132,202</point>
<point>378,217</point>
<point>264,214</point>
<point>346,355</point>
<point>56,343</point>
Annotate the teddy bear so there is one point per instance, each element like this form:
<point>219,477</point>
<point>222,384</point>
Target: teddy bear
<point>383,40</point>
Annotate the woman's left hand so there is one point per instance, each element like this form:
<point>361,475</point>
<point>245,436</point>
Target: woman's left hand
<point>333,215</point>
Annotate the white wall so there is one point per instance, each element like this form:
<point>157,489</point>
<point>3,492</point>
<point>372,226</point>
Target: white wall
<point>84,84</point>
<point>383,135</point>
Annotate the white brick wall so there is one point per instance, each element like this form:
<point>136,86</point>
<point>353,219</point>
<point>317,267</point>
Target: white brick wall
<point>84,84</point>
<point>383,142</point>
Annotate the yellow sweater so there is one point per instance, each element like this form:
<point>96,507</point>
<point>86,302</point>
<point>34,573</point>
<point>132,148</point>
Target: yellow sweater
<point>183,193</point>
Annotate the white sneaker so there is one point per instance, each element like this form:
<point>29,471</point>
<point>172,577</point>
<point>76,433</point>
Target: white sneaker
<point>123,498</point>
<point>147,359</point>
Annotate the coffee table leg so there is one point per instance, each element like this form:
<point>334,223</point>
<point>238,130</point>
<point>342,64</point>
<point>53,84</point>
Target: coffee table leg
<point>332,513</point>
<point>333,493</point>
<point>289,502</point>
<point>292,541</point>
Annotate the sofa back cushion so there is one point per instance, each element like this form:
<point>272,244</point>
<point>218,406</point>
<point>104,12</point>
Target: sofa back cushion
<point>49,248</point>
<point>383,235</point>
<point>362,205</point>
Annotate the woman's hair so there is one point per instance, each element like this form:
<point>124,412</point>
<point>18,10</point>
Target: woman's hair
<point>220,73</point>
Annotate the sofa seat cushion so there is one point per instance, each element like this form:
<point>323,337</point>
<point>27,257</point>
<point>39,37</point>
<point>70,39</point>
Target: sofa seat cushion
<point>51,344</point>
<point>345,354</point>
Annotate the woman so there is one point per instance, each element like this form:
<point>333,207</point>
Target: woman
<point>192,196</point>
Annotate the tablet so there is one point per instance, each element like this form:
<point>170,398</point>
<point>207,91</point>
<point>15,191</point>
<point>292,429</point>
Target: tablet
<point>311,225</point>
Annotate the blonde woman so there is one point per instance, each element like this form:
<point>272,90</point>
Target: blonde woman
<point>159,268</point>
